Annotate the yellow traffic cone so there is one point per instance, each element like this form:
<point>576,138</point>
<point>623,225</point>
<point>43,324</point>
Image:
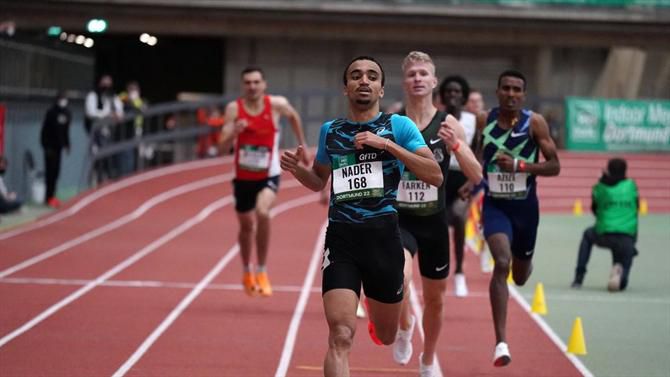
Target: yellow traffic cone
<point>577,209</point>
<point>539,306</point>
<point>576,344</point>
<point>644,207</point>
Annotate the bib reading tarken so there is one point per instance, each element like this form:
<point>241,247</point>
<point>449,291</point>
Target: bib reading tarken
<point>505,184</point>
<point>414,193</point>
<point>354,180</point>
<point>254,158</point>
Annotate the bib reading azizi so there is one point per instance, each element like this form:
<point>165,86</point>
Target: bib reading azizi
<point>414,193</point>
<point>505,184</point>
<point>357,180</point>
<point>254,158</point>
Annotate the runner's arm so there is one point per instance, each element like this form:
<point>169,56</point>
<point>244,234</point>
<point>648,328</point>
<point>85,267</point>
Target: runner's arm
<point>314,179</point>
<point>453,135</point>
<point>284,108</point>
<point>540,132</point>
<point>228,131</point>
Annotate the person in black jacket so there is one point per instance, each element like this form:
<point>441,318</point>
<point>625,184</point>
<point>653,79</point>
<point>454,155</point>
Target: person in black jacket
<point>54,137</point>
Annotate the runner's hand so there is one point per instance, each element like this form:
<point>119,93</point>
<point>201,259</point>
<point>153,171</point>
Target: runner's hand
<point>505,162</point>
<point>368,138</point>
<point>447,131</point>
<point>240,125</point>
<point>290,161</point>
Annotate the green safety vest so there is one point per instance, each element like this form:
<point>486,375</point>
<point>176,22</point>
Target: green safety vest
<point>616,207</point>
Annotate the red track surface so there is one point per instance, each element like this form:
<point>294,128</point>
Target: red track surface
<point>167,299</point>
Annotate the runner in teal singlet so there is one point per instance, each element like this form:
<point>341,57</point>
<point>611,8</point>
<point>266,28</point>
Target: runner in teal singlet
<point>364,154</point>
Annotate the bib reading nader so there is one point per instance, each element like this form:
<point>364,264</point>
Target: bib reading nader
<point>356,178</point>
<point>414,193</point>
<point>254,158</point>
<point>505,184</point>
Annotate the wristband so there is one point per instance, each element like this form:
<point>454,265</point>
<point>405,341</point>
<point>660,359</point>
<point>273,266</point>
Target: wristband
<point>516,165</point>
<point>454,149</point>
<point>522,165</point>
<point>386,143</point>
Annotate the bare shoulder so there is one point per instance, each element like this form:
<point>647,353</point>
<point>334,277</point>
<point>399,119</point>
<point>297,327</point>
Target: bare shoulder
<point>278,102</point>
<point>481,119</point>
<point>231,108</point>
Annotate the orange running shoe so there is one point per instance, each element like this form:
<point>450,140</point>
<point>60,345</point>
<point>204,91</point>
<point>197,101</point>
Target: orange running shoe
<point>249,284</point>
<point>371,326</point>
<point>264,287</point>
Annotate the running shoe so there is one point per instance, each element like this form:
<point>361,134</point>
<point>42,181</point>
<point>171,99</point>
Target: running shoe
<point>53,202</point>
<point>614,284</point>
<point>360,312</point>
<point>263,284</point>
<point>501,356</point>
<point>249,284</point>
<point>460,287</point>
<point>371,326</point>
<point>425,370</point>
<point>402,347</point>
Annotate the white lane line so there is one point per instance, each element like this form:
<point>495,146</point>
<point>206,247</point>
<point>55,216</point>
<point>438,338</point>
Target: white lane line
<point>145,284</point>
<point>183,227</point>
<point>418,312</point>
<point>141,210</point>
<point>550,332</point>
<point>106,190</point>
<point>289,343</point>
<point>176,312</point>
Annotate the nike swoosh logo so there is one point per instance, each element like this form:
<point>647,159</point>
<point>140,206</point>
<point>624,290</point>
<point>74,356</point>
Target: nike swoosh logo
<point>517,134</point>
<point>438,269</point>
<point>434,141</point>
<point>529,252</point>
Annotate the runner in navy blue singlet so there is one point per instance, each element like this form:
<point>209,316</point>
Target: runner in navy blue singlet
<point>511,139</point>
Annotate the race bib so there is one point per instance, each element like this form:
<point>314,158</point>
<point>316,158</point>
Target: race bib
<point>254,158</point>
<point>505,184</point>
<point>414,193</point>
<point>353,180</point>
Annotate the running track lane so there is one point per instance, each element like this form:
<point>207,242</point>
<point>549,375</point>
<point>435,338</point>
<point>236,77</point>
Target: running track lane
<point>315,340</point>
<point>110,318</point>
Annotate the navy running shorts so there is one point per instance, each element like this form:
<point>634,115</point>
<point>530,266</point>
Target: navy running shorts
<point>517,219</point>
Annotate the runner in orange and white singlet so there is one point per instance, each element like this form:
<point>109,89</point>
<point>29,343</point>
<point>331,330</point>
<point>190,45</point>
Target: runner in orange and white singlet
<point>252,122</point>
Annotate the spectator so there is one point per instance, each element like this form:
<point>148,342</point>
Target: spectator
<point>133,103</point>
<point>54,137</point>
<point>615,203</point>
<point>9,201</point>
<point>212,117</point>
<point>475,103</point>
<point>101,104</point>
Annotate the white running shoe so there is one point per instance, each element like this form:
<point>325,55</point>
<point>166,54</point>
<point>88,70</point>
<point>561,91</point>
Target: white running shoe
<point>460,287</point>
<point>486,261</point>
<point>402,347</point>
<point>425,370</point>
<point>614,283</point>
<point>360,312</point>
<point>501,356</point>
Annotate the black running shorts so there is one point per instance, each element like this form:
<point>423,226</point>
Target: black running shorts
<point>370,254</point>
<point>429,236</point>
<point>246,192</point>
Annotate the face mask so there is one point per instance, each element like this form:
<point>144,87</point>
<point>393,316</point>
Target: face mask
<point>62,103</point>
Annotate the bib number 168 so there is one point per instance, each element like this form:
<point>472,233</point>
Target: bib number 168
<point>357,183</point>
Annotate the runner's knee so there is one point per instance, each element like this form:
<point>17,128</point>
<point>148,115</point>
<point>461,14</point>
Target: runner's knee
<point>341,337</point>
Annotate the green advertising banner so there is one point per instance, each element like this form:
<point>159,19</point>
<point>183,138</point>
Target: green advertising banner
<point>617,125</point>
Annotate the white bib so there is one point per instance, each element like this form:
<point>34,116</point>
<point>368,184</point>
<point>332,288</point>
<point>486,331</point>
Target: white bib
<point>254,158</point>
<point>353,181</point>
<point>412,191</point>
<point>507,185</point>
